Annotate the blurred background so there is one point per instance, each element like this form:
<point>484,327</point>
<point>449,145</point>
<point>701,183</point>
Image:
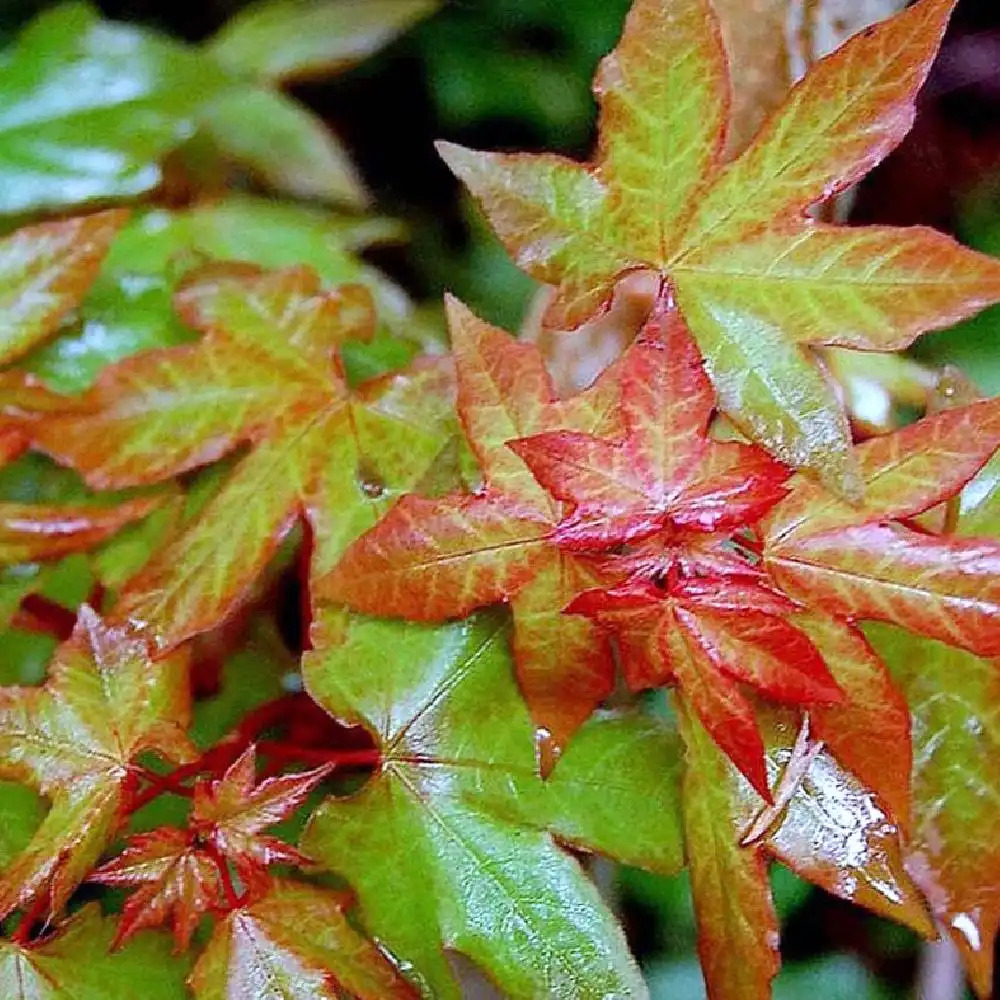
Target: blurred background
<point>515,74</point>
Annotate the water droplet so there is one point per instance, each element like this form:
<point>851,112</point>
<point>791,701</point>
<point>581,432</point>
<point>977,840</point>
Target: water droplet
<point>966,926</point>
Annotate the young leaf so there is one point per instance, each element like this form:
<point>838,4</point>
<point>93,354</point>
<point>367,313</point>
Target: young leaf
<point>860,562</point>
<point>294,944</point>
<point>176,882</point>
<point>45,271</point>
<point>665,472</point>
<point>756,280</point>
<point>433,844</point>
<point>710,636</point>
<point>72,90</point>
<point>232,813</point>
<point>267,374</point>
<point>75,740</point>
<point>77,964</point>
<point>434,559</point>
<point>291,39</point>
<point>953,852</point>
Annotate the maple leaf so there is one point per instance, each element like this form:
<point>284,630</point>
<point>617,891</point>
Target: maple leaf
<point>829,828</point>
<point>450,843</point>
<point>75,739</point>
<point>710,636</point>
<point>265,373</point>
<point>430,559</point>
<point>713,624</point>
<point>45,272</point>
<point>230,814</point>
<point>34,532</point>
<point>182,875</point>
<point>665,472</point>
<point>294,944</point>
<point>859,561</point>
<point>77,964</point>
<point>177,882</point>
<point>756,279</point>
<point>952,852</point>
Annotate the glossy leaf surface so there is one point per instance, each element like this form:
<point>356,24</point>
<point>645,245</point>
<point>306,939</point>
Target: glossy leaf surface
<point>75,739</point>
<point>755,279</point>
<point>73,91</point>
<point>294,944</point>
<point>317,449</point>
<point>458,753</point>
<point>829,829</point>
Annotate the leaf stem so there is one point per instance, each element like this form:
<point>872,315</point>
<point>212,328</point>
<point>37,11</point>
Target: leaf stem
<point>312,755</point>
<point>39,614</point>
<point>217,759</point>
<point>233,899</point>
<point>22,936</point>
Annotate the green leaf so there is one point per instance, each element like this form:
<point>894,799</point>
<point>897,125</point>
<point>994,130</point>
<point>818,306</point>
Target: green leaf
<point>284,145</point>
<point>21,814</point>
<point>88,108</point>
<point>291,39</point>
<point>433,844</point>
<point>77,964</point>
<point>129,308</point>
<point>954,853</point>
<point>616,790</point>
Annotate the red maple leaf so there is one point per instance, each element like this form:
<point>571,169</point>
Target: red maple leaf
<point>710,635</point>
<point>176,882</point>
<point>864,561</point>
<point>441,558</point>
<point>229,815</point>
<point>181,875</point>
<point>665,471</point>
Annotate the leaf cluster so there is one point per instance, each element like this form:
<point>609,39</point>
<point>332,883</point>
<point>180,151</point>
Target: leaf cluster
<point>689,616</point>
